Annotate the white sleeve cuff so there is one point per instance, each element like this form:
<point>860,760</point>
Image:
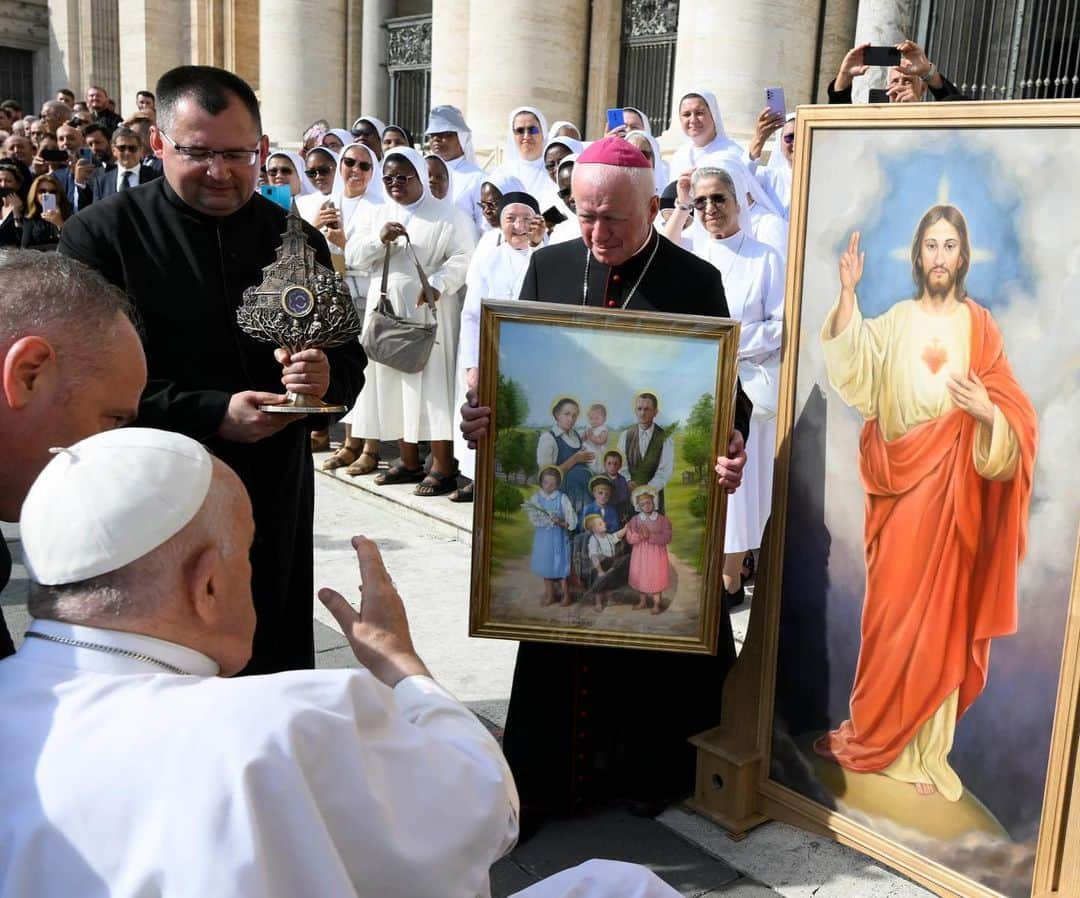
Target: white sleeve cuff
<point>416,693</point>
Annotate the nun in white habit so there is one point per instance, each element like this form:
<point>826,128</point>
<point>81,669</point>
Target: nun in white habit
<point>555,150</point>
<point>496,275</point>
<point>645,142</point>
<point>525,150</point>
<point>284,167</point>
<point>699,119</point>
<point>336,139</point>
<point>413,407</point>
<point>357,192</point>
<point>753,278</point>
<point>309,205</point>
<point>444,123</point>
<point>776,175</point>
<point>767,225</point>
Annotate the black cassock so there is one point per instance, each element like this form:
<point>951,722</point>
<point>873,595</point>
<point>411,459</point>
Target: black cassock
<point>186,273</point>
<point>586,724</point>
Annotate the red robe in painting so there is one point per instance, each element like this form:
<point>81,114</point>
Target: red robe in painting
<point>943,546</point>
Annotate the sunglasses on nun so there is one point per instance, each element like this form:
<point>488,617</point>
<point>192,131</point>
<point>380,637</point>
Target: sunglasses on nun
<point>717,199</point>
<point>349,162</point>
<point>319,171</point>
<point>274,172</point>
<point>526,129</point>
<point>789,138</point>
<point>400,180</point>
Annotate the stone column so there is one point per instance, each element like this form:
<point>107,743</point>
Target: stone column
<point>837,37</point>
<point>151,43</point>
<point>737,49</point>
<point>450,57</point>
<point>882,23</point>
<point>354,58</point>
<point>523,53</point>
<point>241,23</point>
<point>65,53</point>
<point>301,66</point>
<point>374,82</point>
<point>99,42</point>
<point>605,45</point>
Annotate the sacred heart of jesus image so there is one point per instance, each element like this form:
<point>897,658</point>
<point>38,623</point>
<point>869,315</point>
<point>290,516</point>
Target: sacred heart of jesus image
<point>299,305</point>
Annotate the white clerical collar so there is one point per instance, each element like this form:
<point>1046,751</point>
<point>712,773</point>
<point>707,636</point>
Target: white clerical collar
<point>94,659</point>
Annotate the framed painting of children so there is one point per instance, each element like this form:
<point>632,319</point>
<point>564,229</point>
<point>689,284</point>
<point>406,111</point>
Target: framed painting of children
<point>597,518</point>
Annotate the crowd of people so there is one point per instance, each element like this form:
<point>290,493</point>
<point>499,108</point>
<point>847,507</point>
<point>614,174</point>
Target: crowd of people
<point>157,219</point>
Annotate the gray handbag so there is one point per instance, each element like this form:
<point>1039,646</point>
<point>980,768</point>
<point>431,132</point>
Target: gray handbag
<point>397,342</point>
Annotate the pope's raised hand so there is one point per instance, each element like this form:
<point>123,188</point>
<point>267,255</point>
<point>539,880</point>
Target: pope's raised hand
<point>379,632</point>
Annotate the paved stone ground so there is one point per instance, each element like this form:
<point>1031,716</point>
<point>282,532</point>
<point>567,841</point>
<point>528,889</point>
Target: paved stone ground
<point>426,545</point>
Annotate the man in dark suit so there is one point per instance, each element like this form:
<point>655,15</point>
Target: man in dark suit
<point>127,170</point>
<point>582,719</point>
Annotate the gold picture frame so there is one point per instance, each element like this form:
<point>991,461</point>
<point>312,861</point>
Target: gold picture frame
<point>739,782</point>
<point>679,349</point>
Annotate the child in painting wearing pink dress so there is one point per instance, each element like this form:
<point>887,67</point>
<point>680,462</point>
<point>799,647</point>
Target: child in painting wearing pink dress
<point>595,436</point>
<point>648,533</point>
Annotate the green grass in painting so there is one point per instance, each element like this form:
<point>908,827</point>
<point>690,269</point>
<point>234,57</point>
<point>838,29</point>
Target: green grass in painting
<point>687,531</point>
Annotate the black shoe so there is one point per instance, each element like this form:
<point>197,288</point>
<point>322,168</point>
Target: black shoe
<point>735,599</point>
<point>648,809</point>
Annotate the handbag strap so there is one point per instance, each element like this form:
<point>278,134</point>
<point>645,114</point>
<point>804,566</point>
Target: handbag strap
<point>424,285</point>
<point>383,298</point>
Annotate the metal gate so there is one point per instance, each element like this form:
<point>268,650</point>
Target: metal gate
<point>17,76</point>
<point>408,62</point>
<point>1004,49</point>
<point>647,59</point>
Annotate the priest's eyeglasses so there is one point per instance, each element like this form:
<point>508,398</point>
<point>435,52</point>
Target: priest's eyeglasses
<point>203,156</point>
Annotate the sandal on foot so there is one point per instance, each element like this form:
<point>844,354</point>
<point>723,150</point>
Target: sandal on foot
<point>365,464</point>
<point>464,494</point>
<point>398,473</point>
<point>436,484</point>
<point>344,457</point>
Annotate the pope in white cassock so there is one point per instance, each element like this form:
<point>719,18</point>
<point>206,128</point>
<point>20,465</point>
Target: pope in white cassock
<point>132,767</point>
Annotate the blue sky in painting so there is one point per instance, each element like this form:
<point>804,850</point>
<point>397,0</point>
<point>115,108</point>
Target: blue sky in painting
<point>605,366</point>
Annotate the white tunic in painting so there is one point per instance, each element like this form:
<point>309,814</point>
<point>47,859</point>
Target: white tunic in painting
<point>753,278</point>
<point>413,407</point>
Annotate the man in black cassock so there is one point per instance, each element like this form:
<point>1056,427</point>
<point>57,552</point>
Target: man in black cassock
<point>185,247</point>
<point>588,725</point>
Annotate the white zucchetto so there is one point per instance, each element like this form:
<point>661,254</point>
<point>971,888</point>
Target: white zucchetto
<point>109,500</point>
